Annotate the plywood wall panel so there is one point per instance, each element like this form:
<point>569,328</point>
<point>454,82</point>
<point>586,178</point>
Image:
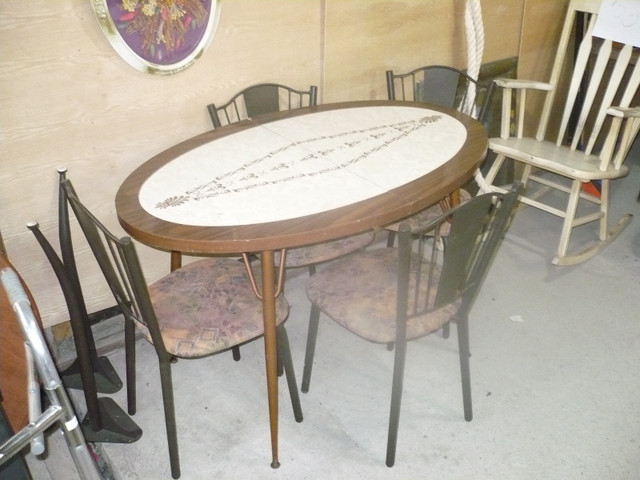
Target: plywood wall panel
<point>365,38</point>
<point>67,99</point>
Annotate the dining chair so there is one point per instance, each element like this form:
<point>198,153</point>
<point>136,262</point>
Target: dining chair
<point>443,86</point>
<point>263,98</point>
<point>415,290</point>
<point>193,312</point>
<point>584,132</point>
<point>259,99</point>
<point>42,375</point>
<point>272,97</point>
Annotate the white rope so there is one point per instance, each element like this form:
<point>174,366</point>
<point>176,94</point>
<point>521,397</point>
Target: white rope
<point>474,31</point>
<point>475,48</point>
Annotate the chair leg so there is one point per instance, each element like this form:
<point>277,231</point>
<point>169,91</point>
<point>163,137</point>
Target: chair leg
<point>446,330</point>
<point>236,353</point>
<point>284,354</point>
<point>465,375</point>
<point>130,364</point>
<point>604,209</point>
<point>495,168</point>
<point>170,415</point>
<point>396,400</point>
<point>570,214</point>
<point>312,334</point>
<point>391,238</point>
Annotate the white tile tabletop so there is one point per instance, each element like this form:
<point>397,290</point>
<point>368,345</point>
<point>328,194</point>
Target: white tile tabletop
<point>301,165</point>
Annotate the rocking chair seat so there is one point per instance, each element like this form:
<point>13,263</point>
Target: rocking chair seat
<point>556,158</point>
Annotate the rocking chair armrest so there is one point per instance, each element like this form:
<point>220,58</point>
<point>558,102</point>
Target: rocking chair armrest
<point>624,112</point>
<point>520,84</point>
<point>521,87</point>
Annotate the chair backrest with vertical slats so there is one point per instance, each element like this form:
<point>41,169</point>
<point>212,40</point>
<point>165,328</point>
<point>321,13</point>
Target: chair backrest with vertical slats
<point>601,73</point>
<point>433,277</point>
<point>120,266</point>
<point>440,85</point>
<point>260,99</point>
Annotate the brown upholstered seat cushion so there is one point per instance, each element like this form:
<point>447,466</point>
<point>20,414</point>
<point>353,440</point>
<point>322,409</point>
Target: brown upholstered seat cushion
<point>323,252</point>
<point>359,293</point>
<point>208,306</point>
<point>421,219</point>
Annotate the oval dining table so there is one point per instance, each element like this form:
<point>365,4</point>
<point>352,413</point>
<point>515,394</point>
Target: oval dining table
<point>297,178</point>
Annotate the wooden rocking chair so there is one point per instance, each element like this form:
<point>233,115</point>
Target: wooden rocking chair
<point>594,134</point>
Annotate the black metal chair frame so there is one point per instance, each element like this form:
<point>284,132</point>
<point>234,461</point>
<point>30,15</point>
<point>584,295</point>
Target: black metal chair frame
<point>444,86</point>
<point>260,99</point>
<point>121,268</point>
<point>477,228</point>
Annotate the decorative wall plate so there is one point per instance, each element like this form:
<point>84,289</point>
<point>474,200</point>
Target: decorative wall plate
<point>158,36</point>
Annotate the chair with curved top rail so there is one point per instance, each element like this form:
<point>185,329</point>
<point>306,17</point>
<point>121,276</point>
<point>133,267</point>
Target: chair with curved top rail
<point>273,97</point>
<point>265,98</point>
<point>447,87</point>
<point>260,99</point>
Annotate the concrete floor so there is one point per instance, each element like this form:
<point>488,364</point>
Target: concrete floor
<point>555,378</point>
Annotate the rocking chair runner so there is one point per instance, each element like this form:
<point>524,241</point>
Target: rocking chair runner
<point>603,83</point>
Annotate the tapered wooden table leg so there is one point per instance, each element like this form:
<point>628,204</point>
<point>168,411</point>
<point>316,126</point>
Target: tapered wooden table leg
<point>270,347</point>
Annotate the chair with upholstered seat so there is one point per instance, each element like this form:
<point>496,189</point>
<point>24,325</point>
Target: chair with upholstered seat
<point>204,308</point>
<point>268,98</point>
<point>260,99</point>
<point>584,132</point>
<point>446,87</point>
<point>415,290</point>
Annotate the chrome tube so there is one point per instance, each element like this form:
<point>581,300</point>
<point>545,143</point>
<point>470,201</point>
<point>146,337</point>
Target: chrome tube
<point>61,410</point>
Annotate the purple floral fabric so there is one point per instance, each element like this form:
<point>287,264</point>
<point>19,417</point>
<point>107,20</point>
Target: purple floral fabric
<point>208,306</point>
<point>421,219</point>
<point>359,293</point>
<point>323,252</point>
